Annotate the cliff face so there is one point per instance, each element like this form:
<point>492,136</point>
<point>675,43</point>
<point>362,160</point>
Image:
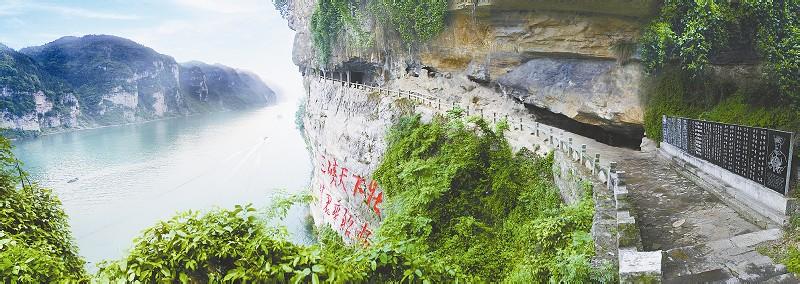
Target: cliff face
<point>569,63</point>
<point>104,80</point>
<point>573,58</point>
<point>223,87</point>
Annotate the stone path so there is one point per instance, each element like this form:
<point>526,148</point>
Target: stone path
<point>704,240</point>
<point>672,211</point>
<point>730,260</point>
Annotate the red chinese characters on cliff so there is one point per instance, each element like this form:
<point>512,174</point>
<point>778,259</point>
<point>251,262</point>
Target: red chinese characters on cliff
<point>337,177</point>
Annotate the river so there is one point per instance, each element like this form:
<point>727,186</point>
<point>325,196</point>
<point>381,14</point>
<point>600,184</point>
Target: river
<point>116,181</point>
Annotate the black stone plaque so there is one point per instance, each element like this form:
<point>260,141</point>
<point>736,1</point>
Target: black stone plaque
<point>758,154</point>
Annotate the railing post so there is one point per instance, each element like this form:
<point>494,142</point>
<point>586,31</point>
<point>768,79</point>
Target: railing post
<point>596,163</point>
<point>583,154</point>
<point>569,149</point>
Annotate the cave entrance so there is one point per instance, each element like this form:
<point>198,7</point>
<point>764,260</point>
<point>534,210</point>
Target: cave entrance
<point>629,136</point>
<point>357,77</point>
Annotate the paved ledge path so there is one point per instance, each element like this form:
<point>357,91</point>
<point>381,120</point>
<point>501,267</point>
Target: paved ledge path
<point>703,239</point>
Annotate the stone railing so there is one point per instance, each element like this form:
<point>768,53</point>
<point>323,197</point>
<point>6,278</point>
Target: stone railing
<point>635,265</point>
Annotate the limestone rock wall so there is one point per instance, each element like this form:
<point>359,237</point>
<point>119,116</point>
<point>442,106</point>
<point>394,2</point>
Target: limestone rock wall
<point>575,58</point>
<point>346,132</point>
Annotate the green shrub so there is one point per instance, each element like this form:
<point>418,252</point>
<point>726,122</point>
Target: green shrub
<point>674,92</point>
<point>455,190</point>
<point>221,245</point>
<point>237,246</point>
<point>691,34</point>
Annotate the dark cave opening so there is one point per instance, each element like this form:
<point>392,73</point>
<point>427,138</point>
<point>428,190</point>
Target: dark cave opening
<point>629,136</point>
<point>357,77</point>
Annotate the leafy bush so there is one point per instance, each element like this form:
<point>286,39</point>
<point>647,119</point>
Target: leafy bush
<point>793,260</point>
<point>221,245</point>
<point>35,242</point>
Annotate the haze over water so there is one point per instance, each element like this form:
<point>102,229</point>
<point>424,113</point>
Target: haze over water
<point>129,177</point>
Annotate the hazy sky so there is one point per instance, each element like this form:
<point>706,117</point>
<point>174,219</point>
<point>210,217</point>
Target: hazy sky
<point>245,34</point>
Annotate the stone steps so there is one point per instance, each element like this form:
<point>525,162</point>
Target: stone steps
<point>732,260</point>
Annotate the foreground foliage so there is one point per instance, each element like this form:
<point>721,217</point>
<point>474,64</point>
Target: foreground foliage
<point>461,207</point>
<point>35,241</point>
<point>787,249</point>
<point>238,246</point>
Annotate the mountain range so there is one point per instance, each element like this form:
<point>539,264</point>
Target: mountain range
<point>99,80</point>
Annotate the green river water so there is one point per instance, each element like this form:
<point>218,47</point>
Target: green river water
<point>116,181</point>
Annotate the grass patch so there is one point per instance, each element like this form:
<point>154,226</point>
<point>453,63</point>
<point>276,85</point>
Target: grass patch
<point>406,106</point>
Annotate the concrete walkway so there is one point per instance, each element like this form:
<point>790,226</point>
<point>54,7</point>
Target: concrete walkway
<point>705,241</point>
<point>730,260</point>
<point>672,210</point>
